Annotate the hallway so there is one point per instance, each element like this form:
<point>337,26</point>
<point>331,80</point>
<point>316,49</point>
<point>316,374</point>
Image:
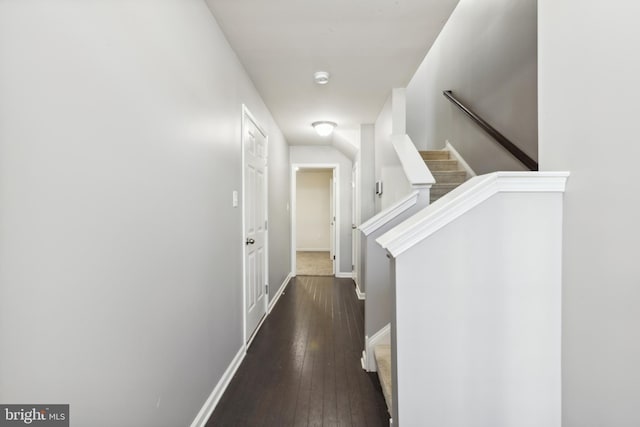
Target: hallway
<point>303,368</point>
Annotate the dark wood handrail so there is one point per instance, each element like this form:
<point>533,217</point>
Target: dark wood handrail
<point>500,138</point>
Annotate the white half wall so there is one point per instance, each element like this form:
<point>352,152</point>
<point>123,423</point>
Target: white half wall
<point>377,277</point>
<point>588,103</point>
<point>121,251</point>
<point>477,317</point>
<point>487,55</point>
<point>313,210</point>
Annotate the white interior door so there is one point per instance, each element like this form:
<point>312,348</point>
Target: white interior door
<point>255,203</point>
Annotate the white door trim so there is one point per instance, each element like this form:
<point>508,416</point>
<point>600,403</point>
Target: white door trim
<point>246,115</point>
<point>355,222</point>
<point>336,204</point>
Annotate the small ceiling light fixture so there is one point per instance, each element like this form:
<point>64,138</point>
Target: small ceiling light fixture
<point>324,128</point>
<point>321,77</point>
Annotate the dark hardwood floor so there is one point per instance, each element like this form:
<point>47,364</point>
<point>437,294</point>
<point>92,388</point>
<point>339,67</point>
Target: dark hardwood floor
<point>303,367</point>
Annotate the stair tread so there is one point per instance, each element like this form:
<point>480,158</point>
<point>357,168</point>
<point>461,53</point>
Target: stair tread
<point>435,154</point>
<point>442,165</point>
<point>445,171</point>
<point>445,185</point>
<point>439,190</point>
<point>442,161</point>
<point>453,176</point>
<point>383,360</point>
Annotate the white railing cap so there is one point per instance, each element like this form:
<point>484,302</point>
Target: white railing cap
<point>464,198</point>
<point>383,217</point>
<point>417,172</point>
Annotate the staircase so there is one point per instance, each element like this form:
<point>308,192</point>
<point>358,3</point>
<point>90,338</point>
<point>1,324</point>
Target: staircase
<point>445,171</point>
<point>448,176</point>
<point>382,354</point>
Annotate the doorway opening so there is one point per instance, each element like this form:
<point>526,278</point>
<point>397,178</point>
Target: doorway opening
<point>315,220</point>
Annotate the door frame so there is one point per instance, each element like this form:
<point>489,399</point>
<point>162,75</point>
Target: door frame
<point>246,115</point>
<point>336,205</point>
<point>355,223</point>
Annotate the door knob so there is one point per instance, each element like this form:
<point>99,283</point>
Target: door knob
<point>250,241</point>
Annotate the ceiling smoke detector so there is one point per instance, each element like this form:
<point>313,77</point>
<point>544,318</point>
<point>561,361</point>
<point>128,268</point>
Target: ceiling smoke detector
<point>321,77</point>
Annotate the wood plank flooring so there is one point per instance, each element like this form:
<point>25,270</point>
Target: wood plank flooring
<point>303,367</point>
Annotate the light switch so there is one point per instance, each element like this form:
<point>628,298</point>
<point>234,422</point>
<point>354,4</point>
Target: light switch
<point>234,197</point>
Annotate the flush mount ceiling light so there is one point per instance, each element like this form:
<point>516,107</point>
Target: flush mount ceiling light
<point>321,77</point>
<point>324,128</point>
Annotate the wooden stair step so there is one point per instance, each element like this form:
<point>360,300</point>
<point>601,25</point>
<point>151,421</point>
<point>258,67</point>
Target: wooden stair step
<point>435,155</point>
<point>442,165</point>
<point>446,173</point>
<point>439,190</point>
<point>457,177</point>
<point>442,189</point>
<point>382,354</point>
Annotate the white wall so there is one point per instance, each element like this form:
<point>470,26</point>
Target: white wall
<point>486,54</point>
<point>395,185</point>
<point>589,125</point>
<point>388,169</point>
<point>367,171</point>
<point>384,152</point>
<point>477,324</point>
<point>279,210</point>
<point>120,256</point>
<point>325,155</point>
<point>346,141</point>
<point>313,210</point>
<point>366,190</point>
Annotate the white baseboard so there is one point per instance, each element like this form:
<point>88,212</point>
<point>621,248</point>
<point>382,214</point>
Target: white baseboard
<point>344,275</point>
<point>461,161</point>
<point>383,336</point>
<point>255,332</point>
<point>361,295</point>
<point>210,404</point>
<point>278,294</point>
<point>363,359</point>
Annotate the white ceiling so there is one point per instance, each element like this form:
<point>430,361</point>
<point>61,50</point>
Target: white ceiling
<point>368,46</point>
